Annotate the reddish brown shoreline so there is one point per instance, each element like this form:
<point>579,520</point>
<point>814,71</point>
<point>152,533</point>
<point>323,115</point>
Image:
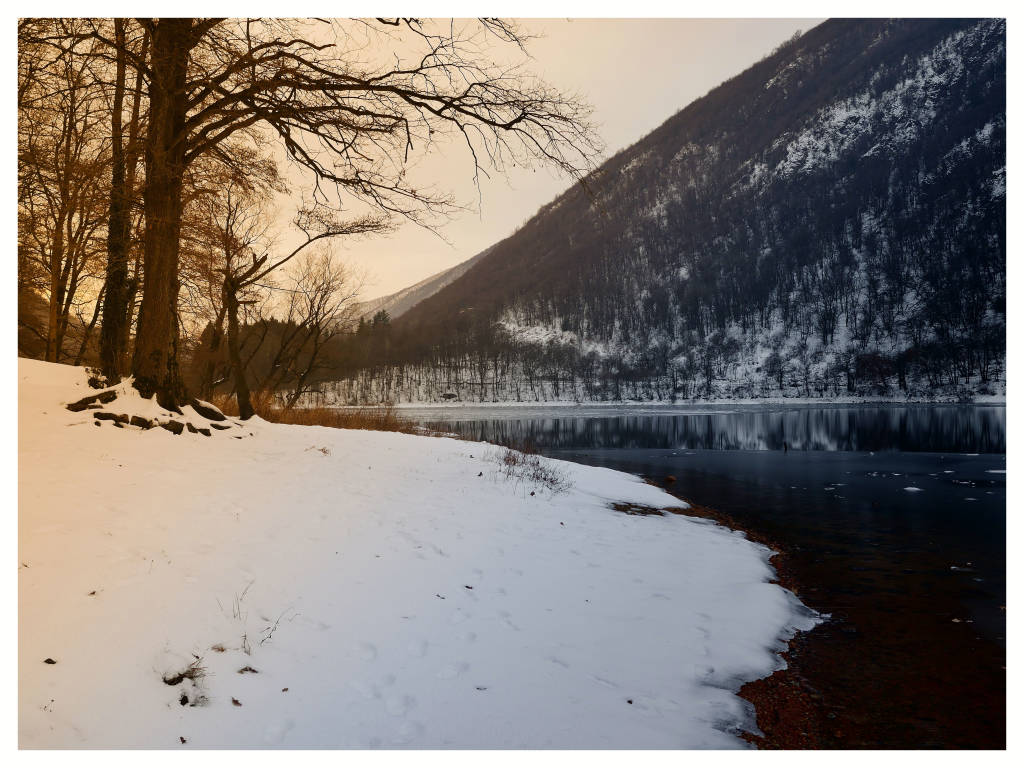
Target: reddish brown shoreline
<point>877,674</point>
<point>787,714</point>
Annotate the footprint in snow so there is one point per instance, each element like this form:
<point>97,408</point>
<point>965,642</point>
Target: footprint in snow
<point>368,691</point>
<point>407,732</point>
<point>418,648</point>
<point>275,733</point>
<point>399,706</point>
<point>451,671</point>
<point>368,651</point>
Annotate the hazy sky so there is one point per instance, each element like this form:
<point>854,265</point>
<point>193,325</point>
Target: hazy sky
<point>635,74</point>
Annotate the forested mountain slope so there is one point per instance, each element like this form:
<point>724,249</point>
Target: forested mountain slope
<point>830,222</point>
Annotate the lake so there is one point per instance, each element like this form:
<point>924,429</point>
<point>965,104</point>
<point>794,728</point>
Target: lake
<point>891,518</point>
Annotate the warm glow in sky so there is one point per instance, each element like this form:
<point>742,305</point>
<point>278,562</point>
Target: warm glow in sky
<point>635,74</point>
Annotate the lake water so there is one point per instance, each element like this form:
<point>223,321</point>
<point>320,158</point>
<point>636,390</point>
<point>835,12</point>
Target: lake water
<point>892,518</point>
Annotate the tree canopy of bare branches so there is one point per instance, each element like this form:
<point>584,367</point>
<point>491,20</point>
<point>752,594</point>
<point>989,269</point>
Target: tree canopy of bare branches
<point>353,103</point>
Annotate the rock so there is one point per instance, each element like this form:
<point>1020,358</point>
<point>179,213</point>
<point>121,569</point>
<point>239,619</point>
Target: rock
<point>49,661</point>
<point>121,418</point>
<point>138,421</point>
<point>190,428</point>
<point>206,410</point>
<point>173,426</point>
<point>220,426</point>
<point>203,431</point>
<point>101,397</point>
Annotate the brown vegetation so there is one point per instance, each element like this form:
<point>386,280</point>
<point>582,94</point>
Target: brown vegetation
<point>382,418</point>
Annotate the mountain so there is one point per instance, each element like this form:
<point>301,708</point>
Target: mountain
<point>829,223</point>
<point>398,303</point>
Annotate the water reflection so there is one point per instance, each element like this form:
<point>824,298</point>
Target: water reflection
<point>953,428</point>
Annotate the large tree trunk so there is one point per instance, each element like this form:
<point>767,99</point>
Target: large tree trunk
<point>245,409</point>
<point>114,333</point>
<point>155,363</point>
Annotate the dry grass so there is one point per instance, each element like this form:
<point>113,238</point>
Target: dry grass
<point>519,466</point>
<point>382,418</point>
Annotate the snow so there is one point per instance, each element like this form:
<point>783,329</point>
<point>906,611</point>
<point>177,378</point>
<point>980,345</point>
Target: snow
<point>911,488</point>
<point>346,588</point>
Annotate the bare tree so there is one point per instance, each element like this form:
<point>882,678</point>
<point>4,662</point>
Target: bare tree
<point>62,154</point>
<point>125,155</point>
<point>352,123</point>
<point>321,304</point>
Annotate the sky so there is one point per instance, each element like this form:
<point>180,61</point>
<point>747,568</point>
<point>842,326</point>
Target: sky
<point>635,73</point>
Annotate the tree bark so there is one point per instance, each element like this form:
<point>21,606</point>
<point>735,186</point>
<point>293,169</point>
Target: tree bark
<point>113,332</point>
<point>242,396</point>
<point>155,363</point>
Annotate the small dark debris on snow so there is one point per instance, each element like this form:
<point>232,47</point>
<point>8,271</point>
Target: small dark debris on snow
<point>91,594</point>
<point>636,509</point>
<point>533,493</point>
<point>183,700</point>
<point>193,671</point>
<point>561,523</point>
<point>247,668</point>
<point>481,474</point>
<point>219,648</point>
<point>236,702</point>
<point>481,687</point>
<point>48,660</point>
<point>467,586</point>
<point>437,595</point>
<point>284,690</point>
<point>629,701</point>
<point>183,739</point>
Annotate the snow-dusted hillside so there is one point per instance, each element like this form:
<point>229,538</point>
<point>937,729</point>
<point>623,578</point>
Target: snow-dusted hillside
<point>398,303</point>
<point>306,587</point>
<point>829,223</point>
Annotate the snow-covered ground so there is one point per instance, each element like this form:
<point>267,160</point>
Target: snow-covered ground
<point>358,589</point>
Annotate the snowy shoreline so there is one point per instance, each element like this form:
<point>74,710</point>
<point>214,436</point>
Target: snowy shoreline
<point>367,589</point>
